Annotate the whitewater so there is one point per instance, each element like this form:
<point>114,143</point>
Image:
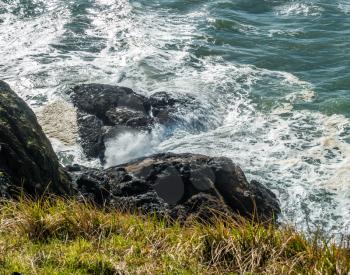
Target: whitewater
<point>271,82</point>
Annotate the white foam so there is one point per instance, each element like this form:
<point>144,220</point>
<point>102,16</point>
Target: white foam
<point>299,8</point>
<point>303,156</point>
<point>59,120</point>
<point>129,145</point>
<point>344,6</point>
<point>71,154</point>
<point>24,39</point>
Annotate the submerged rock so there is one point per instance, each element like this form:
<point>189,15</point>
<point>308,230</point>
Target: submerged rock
<point>179,186</point>
<point>105,109</point>
<point>27,160</point>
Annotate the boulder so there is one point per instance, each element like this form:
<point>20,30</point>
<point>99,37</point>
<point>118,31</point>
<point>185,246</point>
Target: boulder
<point>112,109</point>
<point>27,160</point>
<point>180,186</point>
<point>100,99</point>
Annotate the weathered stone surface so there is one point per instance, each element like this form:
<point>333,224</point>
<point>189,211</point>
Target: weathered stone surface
<point>27,160</point>
<point>179,186</point>
<point>128,117</point>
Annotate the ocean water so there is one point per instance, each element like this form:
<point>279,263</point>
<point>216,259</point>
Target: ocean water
<point>271,79</point>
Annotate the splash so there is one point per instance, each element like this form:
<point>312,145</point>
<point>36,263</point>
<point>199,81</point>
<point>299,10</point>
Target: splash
<point>129,144</point>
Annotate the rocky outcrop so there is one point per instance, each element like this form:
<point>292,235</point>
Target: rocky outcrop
<point>179,186</point>
<point>27,160</point>
<point>105,110</point>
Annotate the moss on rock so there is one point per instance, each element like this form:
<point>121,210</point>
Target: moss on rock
<point>26,155</point>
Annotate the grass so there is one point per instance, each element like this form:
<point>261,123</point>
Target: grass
<point>67,237</point>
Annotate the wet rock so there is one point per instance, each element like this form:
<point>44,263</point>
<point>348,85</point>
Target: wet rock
<point>128,117</point>
<point>100,100</point>
<point>163,107</point>
<point>112,109</point>
<point>91,135</point>
<point>27,160</point>
<point>179,186</point>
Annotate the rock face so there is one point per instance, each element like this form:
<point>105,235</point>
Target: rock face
<point>105,110</point>
<point>27,160</point>
<point>179,186</point>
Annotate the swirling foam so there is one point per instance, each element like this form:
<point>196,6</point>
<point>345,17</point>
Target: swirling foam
<point>299,8</point>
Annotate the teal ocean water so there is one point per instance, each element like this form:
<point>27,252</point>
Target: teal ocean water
<point>272,78</point>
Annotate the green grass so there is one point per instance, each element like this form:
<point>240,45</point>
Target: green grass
<point>68,237</point>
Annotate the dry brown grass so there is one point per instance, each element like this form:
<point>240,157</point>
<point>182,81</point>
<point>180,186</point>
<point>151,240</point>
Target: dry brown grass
<point>67,237</point>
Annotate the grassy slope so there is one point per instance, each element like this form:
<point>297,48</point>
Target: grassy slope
<point>67,237</point>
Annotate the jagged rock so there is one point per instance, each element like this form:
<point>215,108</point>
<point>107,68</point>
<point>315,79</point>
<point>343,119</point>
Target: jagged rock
<point>106,107</point>
<point>179,186</point>
<point>112,109</point>
<point>27,160</point>
<point>98,99</point>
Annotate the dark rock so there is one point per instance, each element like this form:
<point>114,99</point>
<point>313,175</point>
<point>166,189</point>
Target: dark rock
<point>179,186</point>
<point>161,100</point>
<point>104,110</point>
<point>163,107</point>
<point>264,198</point>
<point>128,117</point>
<point>203,207</point>
<point>5,185</point>
<point>27,160</point>
<point>98,99</point>
<point>91,135</point>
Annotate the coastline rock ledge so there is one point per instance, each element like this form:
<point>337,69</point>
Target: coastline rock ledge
<point>179,186</point>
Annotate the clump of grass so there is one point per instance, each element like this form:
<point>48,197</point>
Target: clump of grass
<point>56,236</point>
